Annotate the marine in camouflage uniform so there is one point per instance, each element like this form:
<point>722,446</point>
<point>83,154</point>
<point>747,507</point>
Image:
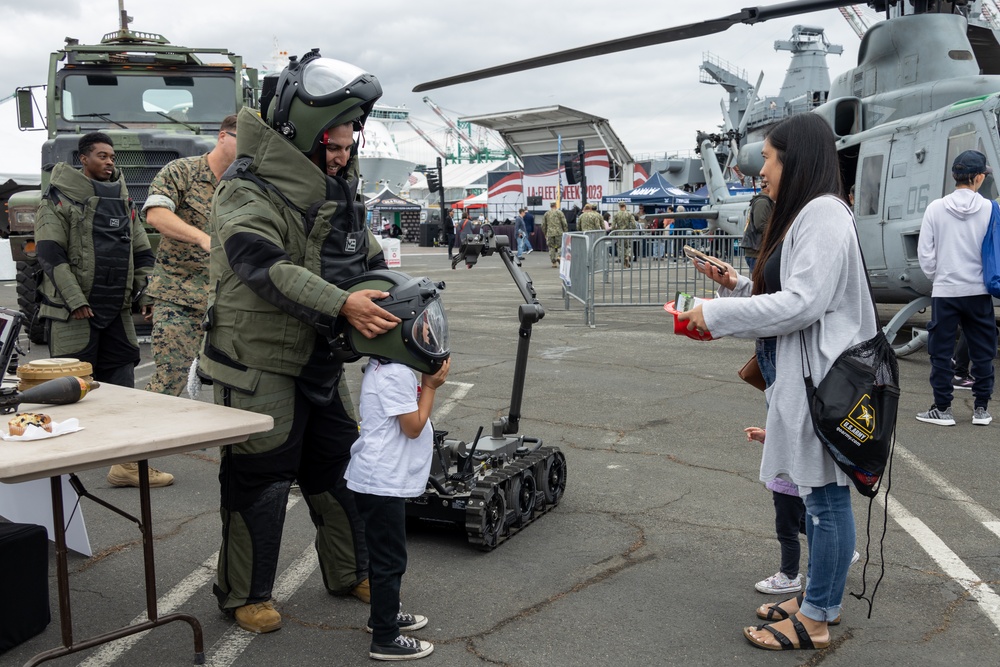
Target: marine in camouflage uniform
<point>590,220</point>
<point>624,220</point>
<point>181,195</point>
<point>554,226</point>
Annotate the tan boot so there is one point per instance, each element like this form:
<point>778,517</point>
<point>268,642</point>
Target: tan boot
<point>260,617</point>
<point>127,474</point>
<point>363,592</point>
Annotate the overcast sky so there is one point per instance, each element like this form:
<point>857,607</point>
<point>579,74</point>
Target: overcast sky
<point>652,96</point>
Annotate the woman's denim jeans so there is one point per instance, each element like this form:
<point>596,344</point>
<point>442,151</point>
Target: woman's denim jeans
<point>766,349</point>
<point>830,536</point>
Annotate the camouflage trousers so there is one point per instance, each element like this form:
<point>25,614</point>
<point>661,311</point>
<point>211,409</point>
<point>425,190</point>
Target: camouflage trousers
<point>555,245</point>
<point>176,341</point>
<point>625,250</point>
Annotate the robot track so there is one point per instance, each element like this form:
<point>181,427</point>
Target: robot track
<point>511,497</point>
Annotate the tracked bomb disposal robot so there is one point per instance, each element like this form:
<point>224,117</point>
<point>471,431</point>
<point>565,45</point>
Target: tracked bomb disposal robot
<point>502,482</point>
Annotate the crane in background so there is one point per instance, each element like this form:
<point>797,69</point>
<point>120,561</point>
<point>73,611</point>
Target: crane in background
<point>983,13</point>
<point>426,137</point>
<point>991,13</point>
<point>477,152</point>
<point>453,142</point>
<point>463,137</point>
<point>856,17</point>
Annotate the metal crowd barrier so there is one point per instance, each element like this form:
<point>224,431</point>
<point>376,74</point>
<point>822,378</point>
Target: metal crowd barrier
<point>599,276</point>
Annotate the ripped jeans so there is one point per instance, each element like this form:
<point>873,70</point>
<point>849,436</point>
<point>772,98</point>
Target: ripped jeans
<point>830,535</point>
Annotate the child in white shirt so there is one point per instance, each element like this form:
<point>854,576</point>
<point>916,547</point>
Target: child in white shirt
<point>390,461</point>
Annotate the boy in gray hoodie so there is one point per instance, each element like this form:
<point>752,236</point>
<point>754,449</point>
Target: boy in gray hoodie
<point>950,254</point>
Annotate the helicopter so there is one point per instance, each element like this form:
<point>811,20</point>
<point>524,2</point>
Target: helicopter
<point>917,98</point>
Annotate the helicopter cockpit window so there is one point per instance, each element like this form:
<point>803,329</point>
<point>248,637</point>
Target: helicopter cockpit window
<point>965,137</point>
<point>868,194</point>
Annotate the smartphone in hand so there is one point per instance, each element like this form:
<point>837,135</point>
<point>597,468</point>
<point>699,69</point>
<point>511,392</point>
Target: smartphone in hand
<point>698,256</point>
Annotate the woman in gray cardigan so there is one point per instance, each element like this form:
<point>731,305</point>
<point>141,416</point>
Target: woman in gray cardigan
<point>810,252</point>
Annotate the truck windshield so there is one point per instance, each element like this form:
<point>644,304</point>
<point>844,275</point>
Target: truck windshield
<point>141,98</point>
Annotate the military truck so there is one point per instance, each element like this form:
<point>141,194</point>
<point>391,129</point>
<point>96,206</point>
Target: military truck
<point>157,102</point>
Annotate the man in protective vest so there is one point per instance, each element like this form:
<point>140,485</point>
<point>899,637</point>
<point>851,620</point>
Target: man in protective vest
<point>287,227</point>
<point>87,214</point>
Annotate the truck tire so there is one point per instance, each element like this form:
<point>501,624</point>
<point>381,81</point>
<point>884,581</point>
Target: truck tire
<point>27,303</point>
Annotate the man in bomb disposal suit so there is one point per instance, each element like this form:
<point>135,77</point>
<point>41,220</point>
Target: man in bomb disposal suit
<point>287,228</point>
<point>87,214</point>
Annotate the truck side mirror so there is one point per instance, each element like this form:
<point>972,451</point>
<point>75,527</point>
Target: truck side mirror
<point>25,109</point>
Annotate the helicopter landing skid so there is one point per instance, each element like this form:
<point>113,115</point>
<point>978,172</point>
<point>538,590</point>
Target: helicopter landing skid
<point>919,337</point>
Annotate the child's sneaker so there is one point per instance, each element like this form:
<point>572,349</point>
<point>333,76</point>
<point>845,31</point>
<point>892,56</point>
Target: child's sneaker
<point>778,583</point>
<point>401,648</point>
<point>962,382</point>
<point>406,622</point>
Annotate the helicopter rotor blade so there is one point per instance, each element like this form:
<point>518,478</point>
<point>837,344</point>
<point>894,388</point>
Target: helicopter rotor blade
<point>725,115</point>
<point>746,114</point>
<point>749,16</point>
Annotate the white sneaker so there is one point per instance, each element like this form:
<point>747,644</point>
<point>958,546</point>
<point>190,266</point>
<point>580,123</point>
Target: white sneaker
<point>778,584</point>
<point>855,558</point>
<point>981,417</point>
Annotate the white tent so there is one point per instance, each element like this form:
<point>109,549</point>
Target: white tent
<point>476,201</point>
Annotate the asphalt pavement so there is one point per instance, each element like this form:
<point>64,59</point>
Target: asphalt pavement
<point>649,559</point>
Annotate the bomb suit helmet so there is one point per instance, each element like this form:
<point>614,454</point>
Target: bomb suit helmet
<point>420,340</point>
<point>314,93</point>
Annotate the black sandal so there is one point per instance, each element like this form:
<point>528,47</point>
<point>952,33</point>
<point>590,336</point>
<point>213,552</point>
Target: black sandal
<point>784,643</point>
<point>776,613</point>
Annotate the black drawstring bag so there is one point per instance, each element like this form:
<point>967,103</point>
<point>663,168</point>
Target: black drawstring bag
<point>854,409</point>
<point>853,413</point>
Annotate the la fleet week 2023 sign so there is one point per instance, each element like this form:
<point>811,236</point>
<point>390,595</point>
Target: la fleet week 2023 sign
<point>543,174</point>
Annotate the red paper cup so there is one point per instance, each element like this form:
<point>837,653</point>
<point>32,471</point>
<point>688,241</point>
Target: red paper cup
<point>681,326</point>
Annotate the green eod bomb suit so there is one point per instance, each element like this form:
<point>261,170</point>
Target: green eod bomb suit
<point>283,235</point>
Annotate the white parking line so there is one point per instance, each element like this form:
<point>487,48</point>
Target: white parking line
<point>949,490</point>
<point>167,604</point>
<point>947,559</point>
<point>448,404</point>
<point>229,647</point>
